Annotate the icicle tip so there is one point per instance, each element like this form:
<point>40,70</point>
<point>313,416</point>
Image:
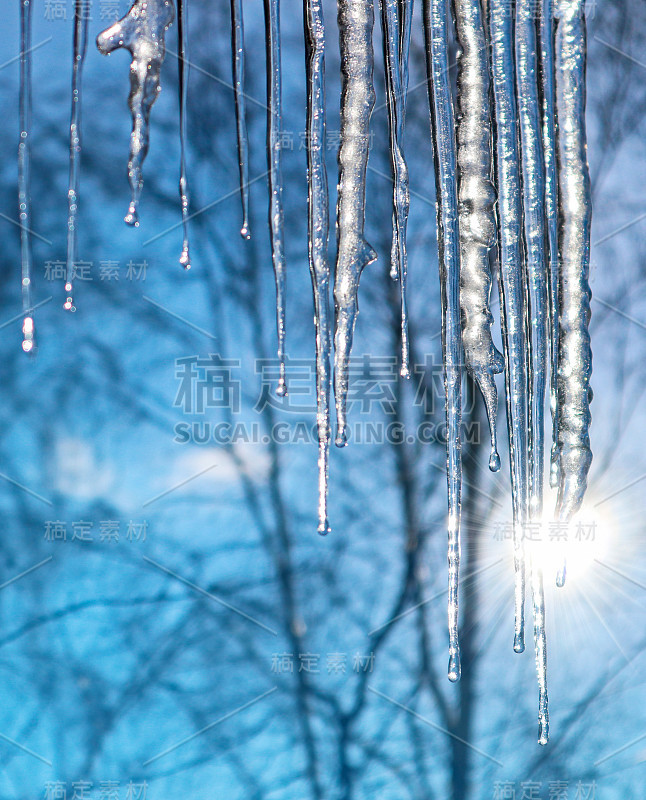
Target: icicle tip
<point>68,305</point>
<point>519,643</point>
<point>341,438</point>
<point>561,576</point>
<point>455,668</point>
<point>494,461</point>
<point>132,218</point>
<point>28,334</point>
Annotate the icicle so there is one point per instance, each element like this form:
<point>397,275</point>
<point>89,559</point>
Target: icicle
<point>476,208</point>
<point>551,207</point>
<point>237,52</point>
<point>575,211</point>
<point>183,66</point>
<point>274,123</point>
<point>436,17</point>
<point>356,19</point>
<point>318,230</point>
<point>81,19</point>
<point>24,176</point>
<point>141,32</point>
<point>540,649</point>
<point>533,180</point>
<point>396,24</point>
<point>512,289</point>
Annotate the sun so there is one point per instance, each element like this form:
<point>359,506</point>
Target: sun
<point>575,545</point>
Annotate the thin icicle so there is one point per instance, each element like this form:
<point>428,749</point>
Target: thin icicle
<point>141,32</point>
<point>512,292</point>
<point>476,208</point>
<point>551,207</point>
<point>575,212</point>
<point>183,67</point>
<point>356,19</point>
<point>396,24</point>
<point>436,16</point>
<point>318,231</point>
<point>24,176</point>
<point>274,124</point>
<point>237,52</point>
<point>540,650</point>
<point>533,180</point>
<point>551,213</point>
<point>81,19</point>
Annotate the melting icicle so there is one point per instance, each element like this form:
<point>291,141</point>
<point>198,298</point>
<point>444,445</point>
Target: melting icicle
<point>575,211</point>
<point>24,176</point>
<point>551,208</point>
<point>81,19</point>
<point>396,25</point>
<point>444,152</point>
<point>476,209</point>
<point>540,649</point>
<point>318,231</point>
<point>551,212</point>
<point>237,52</point>
<point>356,19</point>
<point>141,32</point>
<point>182,24</point>
<point>533,180</point>
<point>274,124</point>
<point>512,292</point>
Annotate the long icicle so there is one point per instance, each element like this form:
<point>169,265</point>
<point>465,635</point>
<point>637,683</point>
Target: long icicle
<point>476,208</point>
<point>356,19</point>
<point>141,32</point>
<point>533,182</point>
<point>551,206</point>
<point>274,158</point>
<point>183,67</point>
<point>551,213</point>
<point>575,213</point>
<point>396,24</point>
<point>540,648</point>
<point>24,176</point>
<point>512,292</point>
<point>237,53</point>
<point>318,232</point>
<point>436,15</point>
<point>81,19</point>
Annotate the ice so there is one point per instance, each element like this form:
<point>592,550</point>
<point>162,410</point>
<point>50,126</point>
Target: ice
<point>318,233</point>
<point>476,208</point>
<point>274,130</point>
<point>81,20</point>
<point>436,19</point>
<point>237,51</point>
<point>141,32</point>
<point>512,288</point>
<point>356,19</point>
<point>24,176</point>
<point>575,212</point>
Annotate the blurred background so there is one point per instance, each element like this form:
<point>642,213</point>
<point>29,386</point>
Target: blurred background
<point>171,624</point>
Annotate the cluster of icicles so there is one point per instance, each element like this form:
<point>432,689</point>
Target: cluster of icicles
<point>512,189</point>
